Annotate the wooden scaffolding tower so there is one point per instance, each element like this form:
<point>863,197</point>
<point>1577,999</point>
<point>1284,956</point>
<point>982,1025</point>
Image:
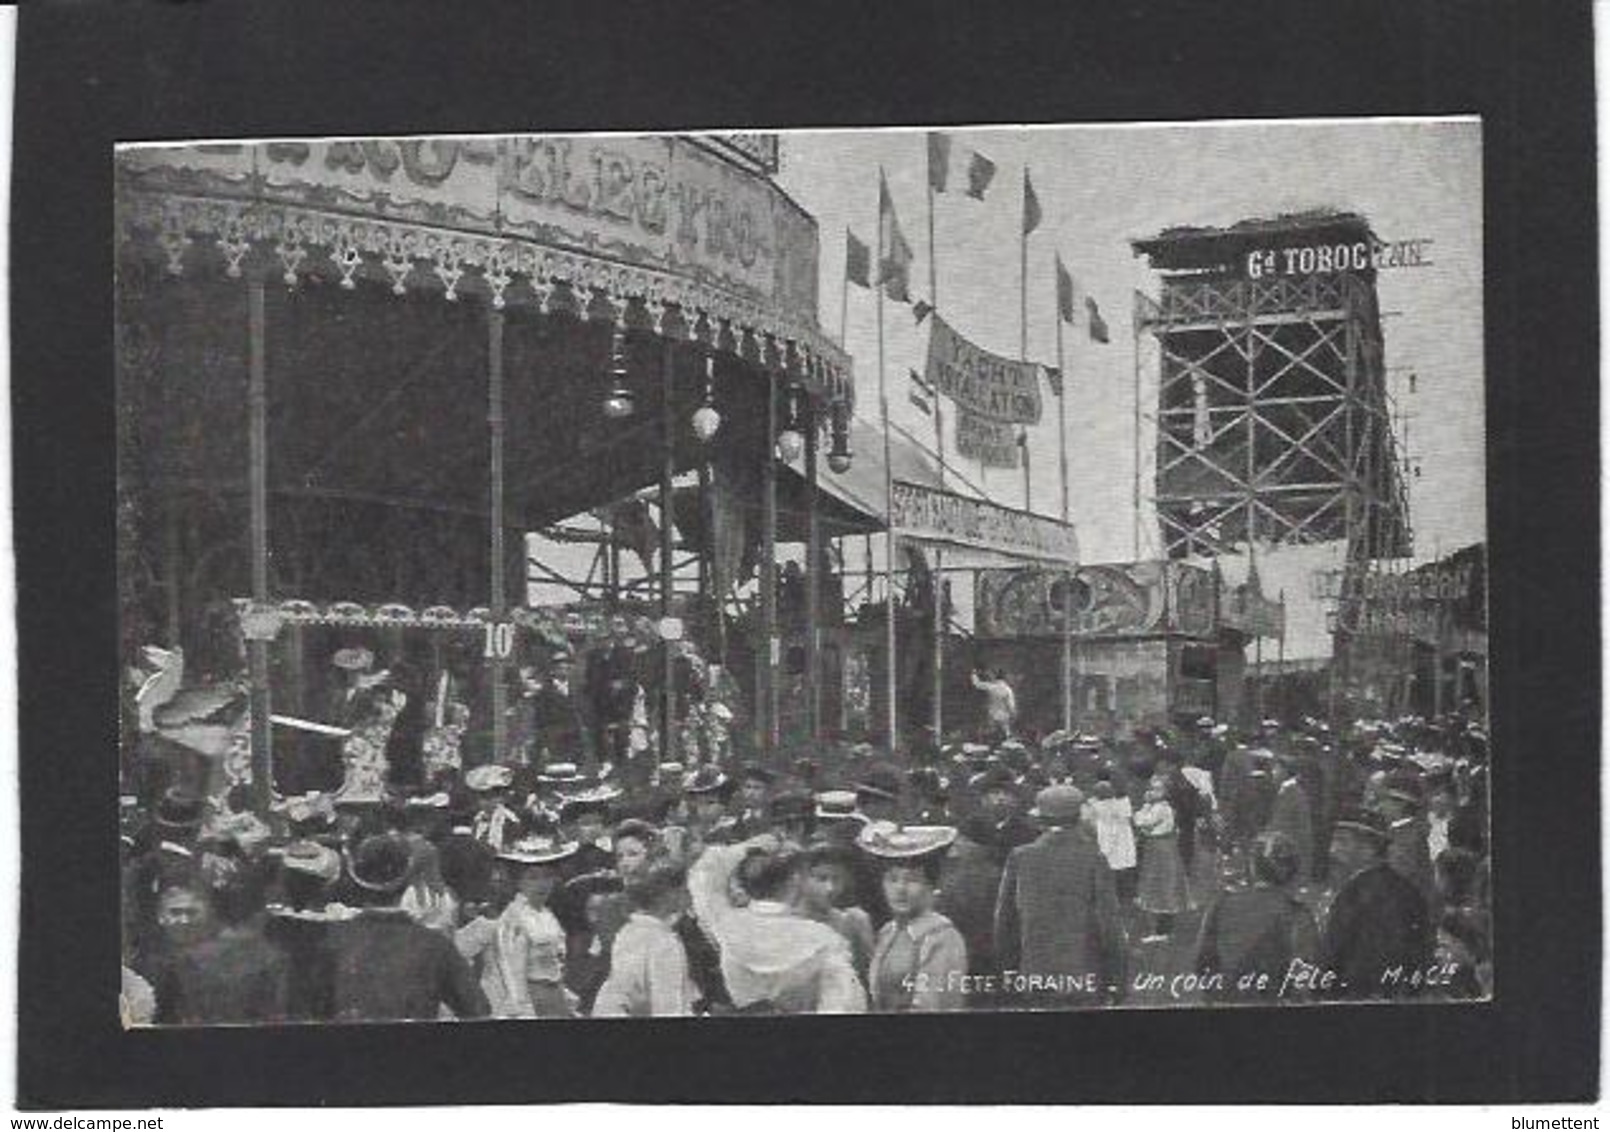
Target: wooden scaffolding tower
<point>1274,425</point>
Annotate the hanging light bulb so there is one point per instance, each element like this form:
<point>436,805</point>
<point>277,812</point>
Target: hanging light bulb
<point>838,458</point>
<point>705,422</point>
<point>789,442</point>
<point>705,418</point>
<point>618,402</point>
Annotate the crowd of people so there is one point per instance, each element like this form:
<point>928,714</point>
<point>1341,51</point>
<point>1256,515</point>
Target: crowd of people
<point>1276,864</point>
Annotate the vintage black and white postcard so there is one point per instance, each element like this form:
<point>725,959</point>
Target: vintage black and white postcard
<point>837,553</point>
<point>591,576</point>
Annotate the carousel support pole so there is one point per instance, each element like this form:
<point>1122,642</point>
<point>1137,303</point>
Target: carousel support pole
<point>813,582</point>
<point>939,620</point>
<point>707,503</point>
<point>866,555</point>
<point>500,597</point>
<point>706,545</point>
<point>171,554</point>
<point>257,454</point>
<point>667,544</point>
<point>769,700</point>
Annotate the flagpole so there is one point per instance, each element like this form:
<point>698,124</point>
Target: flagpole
<point>844,289</point>
<point>1135,494</point>
<point>1067,592</point>
<point>890,681</point>
<point>1062,417</point>
<point>1023,334</point>
<point>939,445</point>
<point>1280,657</point>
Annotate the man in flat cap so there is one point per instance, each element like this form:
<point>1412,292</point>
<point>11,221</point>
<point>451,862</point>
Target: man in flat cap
<point>1378,923</point>
<point>1401,804</point>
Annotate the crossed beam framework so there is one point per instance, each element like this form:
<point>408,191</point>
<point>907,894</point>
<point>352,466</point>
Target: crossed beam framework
<point>1274,425</point>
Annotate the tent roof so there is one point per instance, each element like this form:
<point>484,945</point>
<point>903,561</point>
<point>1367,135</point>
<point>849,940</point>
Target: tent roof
<point>861,488</point>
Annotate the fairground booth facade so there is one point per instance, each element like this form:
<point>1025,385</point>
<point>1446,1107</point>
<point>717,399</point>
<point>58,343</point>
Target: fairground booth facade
<point>353,376</point>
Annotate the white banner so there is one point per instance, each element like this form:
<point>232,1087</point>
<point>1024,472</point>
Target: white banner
<point>991,443</point>
<point>992,387</point>
<point>931,515</point>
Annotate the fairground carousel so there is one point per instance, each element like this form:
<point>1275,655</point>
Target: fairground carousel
<point>355,376</point>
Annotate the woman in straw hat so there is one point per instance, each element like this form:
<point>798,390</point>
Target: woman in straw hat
<point>527,963</point>
<point>919,962</point>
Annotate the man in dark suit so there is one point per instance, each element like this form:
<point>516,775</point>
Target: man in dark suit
<point>1292,816</point>
<point>1187,802</point>
<point>1005,827</point>
<point>1377,932</point>
<point>969,886</point>
<point>386,967</point>
<point>1410,853</point>
<point>1057,912</point>
<point>557,732</point>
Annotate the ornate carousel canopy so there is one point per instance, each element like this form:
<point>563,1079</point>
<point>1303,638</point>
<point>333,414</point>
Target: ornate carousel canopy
<point>687,230</point>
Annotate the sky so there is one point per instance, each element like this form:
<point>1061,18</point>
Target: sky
<point>1100,187</point>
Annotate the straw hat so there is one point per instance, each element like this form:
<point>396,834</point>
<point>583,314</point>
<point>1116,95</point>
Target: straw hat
<point>491,776</point>
<point>560,774</point>
<point>909,843</point>
<point>355,659</point>
<point>837,805</point>
<point>706,780</point>
<point>312,859</point>
<point>538,849</point>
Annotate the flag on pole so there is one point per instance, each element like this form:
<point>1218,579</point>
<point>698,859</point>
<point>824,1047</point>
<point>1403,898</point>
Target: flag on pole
<point>921,310</point>
<point>980,172</point>
<point>1053,375</point>
<point>1067,288</point>
<point>920,394</point>
<point>980,169</point>
<point>938,161</point>
<point>857,260</point>
<point>1098,325</point>
<point>894,272</point>
<point>1064,292</point>
<point>1031,205</point>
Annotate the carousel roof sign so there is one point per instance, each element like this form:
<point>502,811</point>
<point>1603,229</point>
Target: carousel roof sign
<point>657,218</point>
<point>753,151</point>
